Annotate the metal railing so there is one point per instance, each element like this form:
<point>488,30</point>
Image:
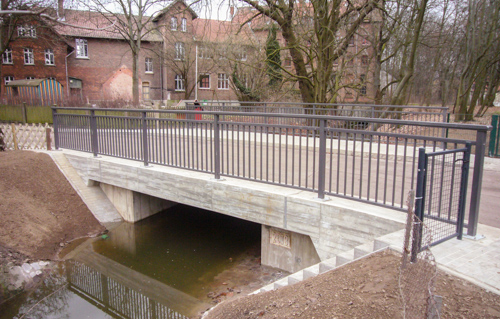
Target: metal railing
<point>330,155</point>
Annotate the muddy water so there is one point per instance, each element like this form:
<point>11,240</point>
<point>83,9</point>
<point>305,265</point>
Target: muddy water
<point>175,264</point>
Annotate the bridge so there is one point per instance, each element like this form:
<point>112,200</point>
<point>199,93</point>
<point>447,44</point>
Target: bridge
<point>319,184</point>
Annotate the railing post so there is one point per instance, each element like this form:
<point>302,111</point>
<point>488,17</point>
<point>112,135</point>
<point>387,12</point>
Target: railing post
<point>145,149</point>
<point>93,133</point>
<point>419,205</point>
<point>216,146</point>
<point>55,125</point>
<point>477,181</point>
<point>322,159</point>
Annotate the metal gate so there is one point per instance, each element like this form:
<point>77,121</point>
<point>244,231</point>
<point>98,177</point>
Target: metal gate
<point>494,147</point>
<point>441,192</point>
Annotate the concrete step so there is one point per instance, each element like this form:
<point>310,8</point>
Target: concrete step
<point>328,265</point>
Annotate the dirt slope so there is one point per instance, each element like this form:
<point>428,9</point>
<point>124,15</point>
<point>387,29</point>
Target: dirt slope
<point>39,210</point>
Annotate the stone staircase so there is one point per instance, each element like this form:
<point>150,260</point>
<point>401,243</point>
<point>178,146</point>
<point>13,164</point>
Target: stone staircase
<point>343,258</point>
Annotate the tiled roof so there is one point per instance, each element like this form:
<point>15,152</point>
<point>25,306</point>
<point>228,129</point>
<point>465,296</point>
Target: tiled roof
<point>86,20</point>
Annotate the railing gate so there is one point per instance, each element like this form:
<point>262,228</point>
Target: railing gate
<point>441,192</point>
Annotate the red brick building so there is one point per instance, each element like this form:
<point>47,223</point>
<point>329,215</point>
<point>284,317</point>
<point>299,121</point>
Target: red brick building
<point>183,57</point>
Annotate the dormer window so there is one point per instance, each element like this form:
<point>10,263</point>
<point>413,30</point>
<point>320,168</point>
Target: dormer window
<point>26,31</point>
<point>173,24</point>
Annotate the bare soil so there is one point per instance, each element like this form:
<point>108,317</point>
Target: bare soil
<point>40,212</point>
<point>367,288</point>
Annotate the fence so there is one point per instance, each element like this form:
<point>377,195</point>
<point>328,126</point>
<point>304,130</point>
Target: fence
<point>332,155</point>
<point>26,136</point>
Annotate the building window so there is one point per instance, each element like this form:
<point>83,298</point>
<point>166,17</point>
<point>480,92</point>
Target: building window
<point>204,81</point>
<point>364,60</point>
<point>183,24</point>
<point>223,81</point>
<point>82,48</point>
<point>149,65</point>
<point>179,51</point>
<point>7,56</point>
<point>173,24</point>
<point>49,57</point>
<point>8,78</point>
<point>204,52</point>
<point>241,55</point>
<point>30,78</point>
<point>145,90</point>
<point>28,57</point>
<point>51,78</point>
<point>362,90</point>
<point>179,82</point>
<point>288,62</point>
<point>26,31</point>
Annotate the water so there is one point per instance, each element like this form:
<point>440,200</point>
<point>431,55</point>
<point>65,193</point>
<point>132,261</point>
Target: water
<point>171,265</point>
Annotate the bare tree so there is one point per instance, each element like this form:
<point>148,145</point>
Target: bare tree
<point>316,35</point>
<point>481,56</point>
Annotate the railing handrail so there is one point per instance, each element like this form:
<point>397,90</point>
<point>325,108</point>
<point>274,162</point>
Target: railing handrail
<point>459,126</point>
<point>324,104</point>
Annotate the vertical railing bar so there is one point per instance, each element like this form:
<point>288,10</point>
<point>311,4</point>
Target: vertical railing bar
<point>387,145</point>
<point>322,159</point>
<point>346,153</point>
<point>279,156</point>
<point>286,156</point>
<point>361,166</point>
<point>404,172</point>
<point>394,176</point>
<point>368,187</point>
<point>339,136</point>
<point>306,179</point>
<point>314,160</point>
<point>261,154</point>
<point>293,156</point>
<point>353,169</point>
<point>378,170</point>
<point>300,160</point>
<point>330,176</point>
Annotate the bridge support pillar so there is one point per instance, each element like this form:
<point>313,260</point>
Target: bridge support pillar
<point>287,250</point>
<point>134,206</point>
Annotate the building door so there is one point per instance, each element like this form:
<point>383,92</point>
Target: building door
<point>145,91</point>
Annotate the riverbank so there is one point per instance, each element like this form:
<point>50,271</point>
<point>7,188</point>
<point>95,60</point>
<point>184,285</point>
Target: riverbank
<point>40,212</point>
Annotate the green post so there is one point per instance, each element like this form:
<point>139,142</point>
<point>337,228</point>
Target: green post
<point>494,136</point>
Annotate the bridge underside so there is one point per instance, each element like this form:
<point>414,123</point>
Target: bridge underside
<point>298,230</point>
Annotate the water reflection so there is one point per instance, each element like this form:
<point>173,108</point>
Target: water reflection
<point>162,267</point>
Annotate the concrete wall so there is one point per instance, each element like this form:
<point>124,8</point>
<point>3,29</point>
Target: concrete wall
<point>287,250</point>
<point>134,206</point>
<point>333,226</point>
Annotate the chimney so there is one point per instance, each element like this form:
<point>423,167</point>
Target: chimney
<point>231,11</point>
<point>60,10</point>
